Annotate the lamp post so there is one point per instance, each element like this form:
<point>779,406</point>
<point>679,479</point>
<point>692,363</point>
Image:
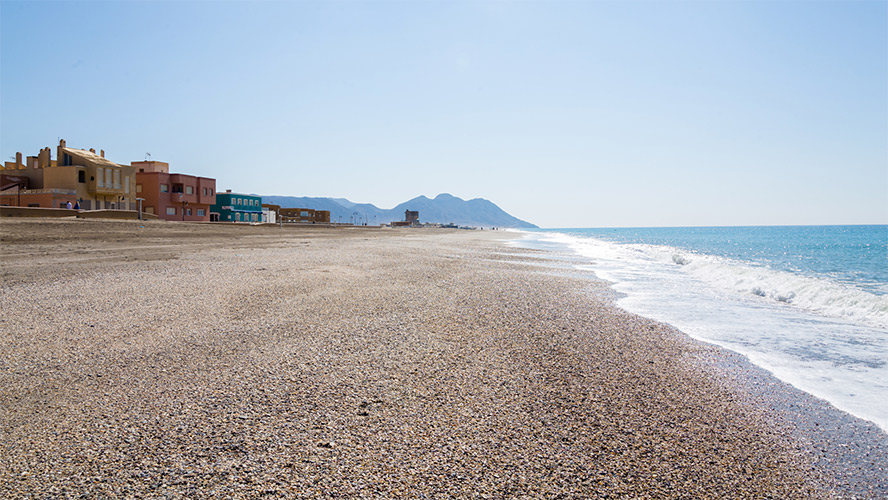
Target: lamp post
<point>140,200</point>
<point>184,204</point>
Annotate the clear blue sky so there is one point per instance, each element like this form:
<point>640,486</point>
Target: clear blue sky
<point>566,114</point>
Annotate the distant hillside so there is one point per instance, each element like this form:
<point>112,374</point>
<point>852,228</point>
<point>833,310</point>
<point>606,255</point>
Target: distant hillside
<point>444,208</point>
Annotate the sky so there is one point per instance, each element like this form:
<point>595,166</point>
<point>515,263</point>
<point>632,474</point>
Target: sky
<point>565,114</point>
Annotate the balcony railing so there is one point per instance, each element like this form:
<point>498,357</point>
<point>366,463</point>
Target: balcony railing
<point>48,191</point>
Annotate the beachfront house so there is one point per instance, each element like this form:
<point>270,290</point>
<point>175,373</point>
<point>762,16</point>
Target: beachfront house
<point>178,197</point>
<point>270,213</point>
<point>236,207</point>
<point>83,178</point>
<point>304,215</point>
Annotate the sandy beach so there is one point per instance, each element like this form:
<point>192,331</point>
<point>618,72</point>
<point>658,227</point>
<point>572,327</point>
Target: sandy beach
<point>146,360</point>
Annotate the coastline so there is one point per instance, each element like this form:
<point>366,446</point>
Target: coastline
<point>848,453</point>
<point>182,359</point>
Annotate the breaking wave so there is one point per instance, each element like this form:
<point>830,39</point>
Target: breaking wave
<point>813,294</point>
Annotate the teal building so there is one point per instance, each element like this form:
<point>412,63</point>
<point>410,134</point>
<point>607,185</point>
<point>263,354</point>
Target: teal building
<point>236,207</point>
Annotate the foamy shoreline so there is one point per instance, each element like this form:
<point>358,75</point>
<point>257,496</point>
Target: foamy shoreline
<point>192,360</point>
<point>851,451</point>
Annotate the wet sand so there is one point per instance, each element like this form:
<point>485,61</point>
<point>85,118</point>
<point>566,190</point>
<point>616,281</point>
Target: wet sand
<point>187,360</point>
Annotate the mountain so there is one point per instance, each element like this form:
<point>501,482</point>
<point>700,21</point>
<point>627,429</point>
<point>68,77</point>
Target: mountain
<point>448,208</point>
<point>444,208</point>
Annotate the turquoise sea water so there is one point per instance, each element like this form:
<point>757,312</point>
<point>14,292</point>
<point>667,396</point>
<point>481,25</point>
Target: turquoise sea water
<point>808,303</point>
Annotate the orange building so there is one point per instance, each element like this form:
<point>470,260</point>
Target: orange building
<point>76,176</point>
<point>178,197</point>
<point>304,215</point>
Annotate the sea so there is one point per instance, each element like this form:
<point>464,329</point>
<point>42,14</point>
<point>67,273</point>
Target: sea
<point>807,303</point>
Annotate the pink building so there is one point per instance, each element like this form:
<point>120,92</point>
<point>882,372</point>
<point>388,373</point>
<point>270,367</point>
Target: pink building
<point>173,196</point>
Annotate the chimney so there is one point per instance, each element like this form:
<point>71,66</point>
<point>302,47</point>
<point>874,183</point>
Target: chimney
<point>18,161</point>
<point>62,143</point>
<point>92,150</point>
<point>102,153</point>
<point>43,158</point>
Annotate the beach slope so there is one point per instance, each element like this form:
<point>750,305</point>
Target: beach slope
<point>164,359</point>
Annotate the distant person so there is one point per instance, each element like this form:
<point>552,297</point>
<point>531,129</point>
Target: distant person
<point>68,205</point>
<point>76,205</point>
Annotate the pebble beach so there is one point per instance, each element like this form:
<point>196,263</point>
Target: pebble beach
<point>164,360</point>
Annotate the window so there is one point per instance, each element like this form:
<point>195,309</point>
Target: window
<point>81,175</point>
<point>204,191</point>
<point>116,179</point>
<point>109,182</point>
<point>177,188</point>
<point>171,210</point>
<point>189,190</point>
<point>187,211</point>
<point>100,174</point>
<point>164,188</point>
<point>138,188</point>
<point>211,191</point>
<point>126,184</point>
<point>201,212</point>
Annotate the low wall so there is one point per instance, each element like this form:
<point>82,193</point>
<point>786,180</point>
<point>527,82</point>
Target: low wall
<point>81,214</point>
<point>115,214</point>
<point>37,212</point>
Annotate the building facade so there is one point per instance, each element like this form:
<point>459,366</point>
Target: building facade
<point>179,197</point>
<point>236,207</point>
<point>270,212</point>
<point>82,177</point>
<point>304,215</point>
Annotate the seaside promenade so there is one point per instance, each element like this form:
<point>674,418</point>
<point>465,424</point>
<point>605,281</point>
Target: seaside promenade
<point>183,360</point>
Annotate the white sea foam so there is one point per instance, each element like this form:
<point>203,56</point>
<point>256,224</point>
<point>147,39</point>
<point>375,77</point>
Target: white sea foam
<point>817,295</point>
<point>824,337</point>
